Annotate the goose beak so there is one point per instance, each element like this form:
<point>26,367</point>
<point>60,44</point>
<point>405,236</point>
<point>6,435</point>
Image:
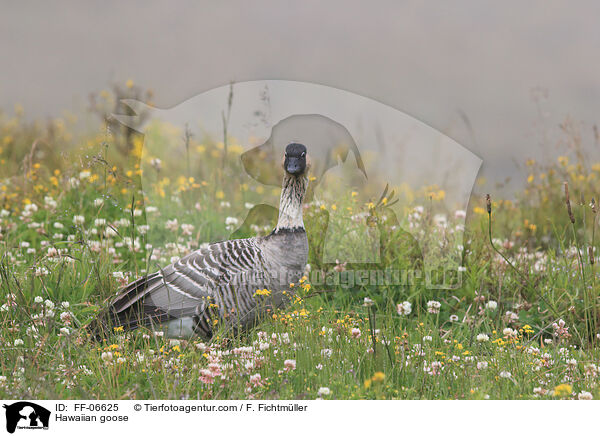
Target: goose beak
<point>294,166</point>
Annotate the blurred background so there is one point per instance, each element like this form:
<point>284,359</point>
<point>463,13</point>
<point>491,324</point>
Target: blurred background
<point>499,78</point>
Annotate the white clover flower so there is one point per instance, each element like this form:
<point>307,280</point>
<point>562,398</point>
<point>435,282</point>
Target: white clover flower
<point>118,275</point>
<point>99,222</point>
<point>66,317</point>
<point>187,229</point>
<point>404,308</point>
<point>491,305</point>
<point>584,395</point>
<point>323,391</point>
<point>482,337</point>
<point>427,339</point>
<point>482,365</point>
<point>367,302</point>
<point>326,352</point>
<point>505,374</point>
<point>98,202</point>
<point>65,304</point>
<point>110,232</point>
<point>172,225</point>
<point>255,379</point>
<point>107,356</point>
<point>156,163</point>
<point>49,304</point>
<point>460,214</point>
<point>433,306</point>
<point>231,222</point>
<point>38,300</point>
<point>65,331</point>
<point>78,220</point>
<point>58,225</point>
<point>440,220</point>
<point>50,202</point>
<point>18,342</point>
<point>84,174</point>
<point>510,316</point>
<point>29,210</point>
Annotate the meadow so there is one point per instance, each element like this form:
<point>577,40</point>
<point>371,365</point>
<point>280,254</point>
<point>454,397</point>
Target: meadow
<point>74,226</point>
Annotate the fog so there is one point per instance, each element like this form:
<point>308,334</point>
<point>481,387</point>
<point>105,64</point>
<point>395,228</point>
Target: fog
<point>450,65</point>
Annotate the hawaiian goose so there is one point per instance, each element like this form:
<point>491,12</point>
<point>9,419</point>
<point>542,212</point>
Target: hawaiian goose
<point>216,286</point>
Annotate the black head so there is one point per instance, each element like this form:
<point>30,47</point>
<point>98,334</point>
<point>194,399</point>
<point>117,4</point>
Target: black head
<point>295,159</point>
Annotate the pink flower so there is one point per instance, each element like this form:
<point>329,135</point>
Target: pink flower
<point>214,368</point>
<point>355,333</point>
<point>433,369</point>
<point>433,306</point>
<point>289,365</point>
<point>256,380</point>
<point>561,330</point>
<point>206,376</point>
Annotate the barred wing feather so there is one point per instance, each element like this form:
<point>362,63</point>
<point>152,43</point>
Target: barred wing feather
<point>215,281</point>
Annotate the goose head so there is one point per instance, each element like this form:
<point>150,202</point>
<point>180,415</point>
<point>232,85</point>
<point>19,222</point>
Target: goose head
<point>295,160</point>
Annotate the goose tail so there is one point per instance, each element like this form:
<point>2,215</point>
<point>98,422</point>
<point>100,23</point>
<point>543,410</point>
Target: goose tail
<point>129,310</point>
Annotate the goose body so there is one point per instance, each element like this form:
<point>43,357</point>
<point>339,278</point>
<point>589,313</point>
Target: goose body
<point>215,286</point>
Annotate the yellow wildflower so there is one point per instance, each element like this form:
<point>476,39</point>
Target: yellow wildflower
<point>563,390</point>
<point>378,377</point>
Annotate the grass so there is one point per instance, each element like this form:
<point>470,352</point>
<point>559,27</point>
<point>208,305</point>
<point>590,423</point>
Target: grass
<point>75,226</point>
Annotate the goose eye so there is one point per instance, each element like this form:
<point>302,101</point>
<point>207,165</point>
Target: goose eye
<point>303,154</point>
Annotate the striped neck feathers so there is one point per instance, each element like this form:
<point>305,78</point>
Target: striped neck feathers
<point>290,204</point>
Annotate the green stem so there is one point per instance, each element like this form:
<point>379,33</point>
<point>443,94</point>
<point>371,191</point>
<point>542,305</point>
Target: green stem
<point>525,278</point>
